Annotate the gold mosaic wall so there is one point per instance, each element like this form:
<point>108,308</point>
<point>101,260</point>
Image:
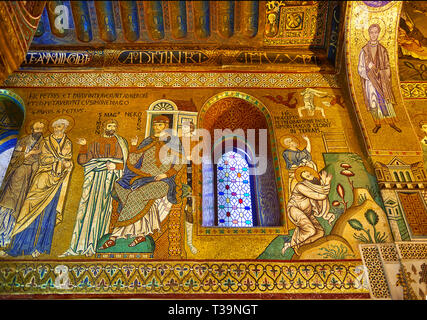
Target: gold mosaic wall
<point>351,186</point>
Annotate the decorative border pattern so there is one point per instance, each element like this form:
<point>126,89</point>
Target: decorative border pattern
<point>178,277</point>
<point>173,79</point>
<point>389,252</point>
<point>377,280</point>
<point>414,90</point>
<point>412,250</point>
<point>376,255</point>
<point>307,25</point>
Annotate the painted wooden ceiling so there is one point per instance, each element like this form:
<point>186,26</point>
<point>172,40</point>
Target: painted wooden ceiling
<point>294,27</point>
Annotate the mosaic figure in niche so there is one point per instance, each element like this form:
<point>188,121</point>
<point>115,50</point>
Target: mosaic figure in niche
<point>271,26</point>
<point>43,205</point>
<point>150,185</point>
<point>375,74</point>
<point>308,200</point>
<point>22,167</point>
<point>188,145</point>
<point>295,157</point>
<point>103,163</point>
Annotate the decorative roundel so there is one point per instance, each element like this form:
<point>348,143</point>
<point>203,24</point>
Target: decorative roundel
<point>163,105</point>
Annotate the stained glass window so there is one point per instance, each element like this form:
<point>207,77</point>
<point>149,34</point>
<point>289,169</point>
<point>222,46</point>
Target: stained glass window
<point>234,191</point>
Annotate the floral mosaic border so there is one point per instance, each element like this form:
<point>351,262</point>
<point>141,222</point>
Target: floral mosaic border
<point>180,277</point>
<point>414,90</point>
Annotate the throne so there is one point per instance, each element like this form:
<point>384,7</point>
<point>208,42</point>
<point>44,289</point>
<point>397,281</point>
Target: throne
<point>166,243</point>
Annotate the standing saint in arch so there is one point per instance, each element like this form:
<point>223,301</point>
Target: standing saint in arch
<point>375,74</point>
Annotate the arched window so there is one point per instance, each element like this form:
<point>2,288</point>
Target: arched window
<point>252,190</point>
<point>408,176</point>
<point>402,176</point>
<point>396,176</point>
<point>234,191</point>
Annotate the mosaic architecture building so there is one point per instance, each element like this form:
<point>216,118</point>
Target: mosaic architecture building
<point>222,149</point>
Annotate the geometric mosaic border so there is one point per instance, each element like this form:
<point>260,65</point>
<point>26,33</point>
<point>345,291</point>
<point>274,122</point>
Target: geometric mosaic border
<point>412,250</point>
<point>180,277</point>
<point>170,79</point>
<point>375,256</point>
<point>371,257</point>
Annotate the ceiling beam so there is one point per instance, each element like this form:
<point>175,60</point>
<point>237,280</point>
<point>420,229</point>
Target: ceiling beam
<point>81,17</point>
<point>153,13</point>
<point>50,8</point>
<point>249,18</point>
<point>202,19</point>
<point>225,18</point>
<point>130,20</point>
<point>178,19</point>
<point>106,21</point>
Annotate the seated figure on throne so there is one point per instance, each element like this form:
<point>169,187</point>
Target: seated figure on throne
<point>150,185</point>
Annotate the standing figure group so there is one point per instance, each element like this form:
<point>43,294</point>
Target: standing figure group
<point>32,199</point>
<point>142,180</point>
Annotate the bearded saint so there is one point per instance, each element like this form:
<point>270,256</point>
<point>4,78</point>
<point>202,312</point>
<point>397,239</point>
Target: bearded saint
<point>103,163</point>
<point>150,185</point>
<point>22,167</point>
<point>43,205</point>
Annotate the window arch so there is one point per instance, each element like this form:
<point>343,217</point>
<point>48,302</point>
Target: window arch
<point>396,176</point>
<point>228,112</point>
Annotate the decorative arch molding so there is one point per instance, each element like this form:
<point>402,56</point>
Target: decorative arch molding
<point>10,95</point>
<point>235,94</point>
<point>12,115</point>
<point>201,124</point>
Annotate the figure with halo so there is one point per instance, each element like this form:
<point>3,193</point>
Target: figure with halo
<point>22,167</point>
<point>296,155</point>
<point>375,75</point>
<point>308,200</point>
<point>43,205</point>
<point>103,161</point>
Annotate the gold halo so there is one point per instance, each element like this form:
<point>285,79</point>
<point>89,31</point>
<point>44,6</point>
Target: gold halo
<point>302,143</point>
<point>300,170</point>
<point>29,125</point>
<point>68,118</point>
<point>372,21</point>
